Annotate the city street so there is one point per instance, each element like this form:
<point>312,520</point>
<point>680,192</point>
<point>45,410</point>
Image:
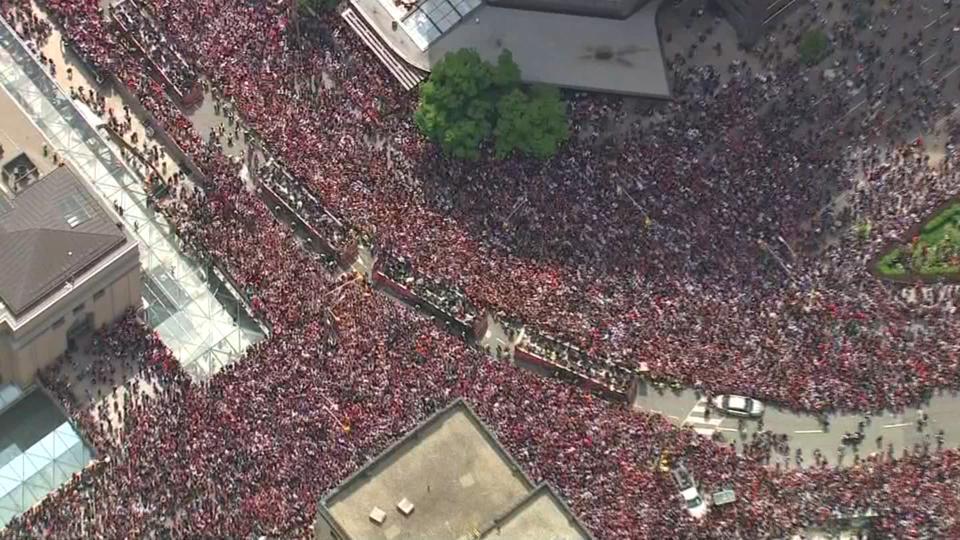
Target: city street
<point>686,407</point>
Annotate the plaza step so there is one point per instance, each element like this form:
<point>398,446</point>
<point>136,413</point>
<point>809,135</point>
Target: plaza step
<point>407,76</point>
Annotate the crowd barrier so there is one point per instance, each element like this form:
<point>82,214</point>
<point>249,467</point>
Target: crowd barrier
<point>96,71</point>
<point>184,161</point>
<point>273,199</point>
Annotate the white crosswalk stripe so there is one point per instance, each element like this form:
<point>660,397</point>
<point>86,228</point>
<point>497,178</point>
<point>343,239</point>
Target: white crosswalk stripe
<point>701,423</point>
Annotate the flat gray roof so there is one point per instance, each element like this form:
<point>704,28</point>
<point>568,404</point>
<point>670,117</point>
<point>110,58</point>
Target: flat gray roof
<point>456,475</point>
<point>542,514</point>
<point>569,51</point>
<point>49,232</point>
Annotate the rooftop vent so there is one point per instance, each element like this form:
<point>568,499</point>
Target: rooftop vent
<point>405,506</point>
<point>19,173</point>
<point>378,516</point>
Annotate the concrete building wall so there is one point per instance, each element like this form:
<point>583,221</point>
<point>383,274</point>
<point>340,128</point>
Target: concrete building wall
<point>322,529</point>
<point>617,9</point>
<point>37,344</point>
<point>5,352</point>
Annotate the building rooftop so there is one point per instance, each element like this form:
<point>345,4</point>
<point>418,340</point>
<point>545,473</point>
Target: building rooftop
<point>569,51</point>
<point>542,514</point>
<point>460,481</point>
<point>51,231</point>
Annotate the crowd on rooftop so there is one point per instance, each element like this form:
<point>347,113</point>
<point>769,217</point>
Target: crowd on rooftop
<point>686,245</point>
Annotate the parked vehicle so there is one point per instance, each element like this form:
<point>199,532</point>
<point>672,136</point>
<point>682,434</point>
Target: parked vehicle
<point>695,504</point>
<point>738,406</point>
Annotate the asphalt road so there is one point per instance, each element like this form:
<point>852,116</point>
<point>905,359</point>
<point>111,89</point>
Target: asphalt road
<point>685,408</point>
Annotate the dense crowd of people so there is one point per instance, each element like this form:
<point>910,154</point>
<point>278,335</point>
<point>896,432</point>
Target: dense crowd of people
<point>665,249</point>
<point>166,60</point>
<point>125,350</point>
<point>328,229</point>
<point>250,452</point>
<point>671,248</point>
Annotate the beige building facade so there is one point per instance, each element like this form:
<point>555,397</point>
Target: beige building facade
<point>66,269</point>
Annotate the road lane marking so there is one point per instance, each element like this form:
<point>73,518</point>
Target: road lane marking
<point>855,107</point>
<point>935,21</point>
<point>904,424</point>
<point>674,417</point>
<point>929,58</point>
<point>703,421</point>
<point>727,429</point>
<point>781,10</point>
<point>949,73</point>
<point>809,431</point>
<point>698,415</point>
<point>890,116</point>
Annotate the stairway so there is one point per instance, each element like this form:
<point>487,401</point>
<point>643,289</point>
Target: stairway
<point>408,77</point>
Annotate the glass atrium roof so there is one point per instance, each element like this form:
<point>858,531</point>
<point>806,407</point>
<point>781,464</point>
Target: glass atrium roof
<point>39,452</point>
<point>431,19</point>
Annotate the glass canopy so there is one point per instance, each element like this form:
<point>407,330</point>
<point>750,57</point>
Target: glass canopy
<point>39,452</point>
<point>430,19</point>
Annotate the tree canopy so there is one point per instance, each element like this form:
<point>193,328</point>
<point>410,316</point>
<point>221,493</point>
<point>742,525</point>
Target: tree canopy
<point>467,100</point>
<point>814,47</point>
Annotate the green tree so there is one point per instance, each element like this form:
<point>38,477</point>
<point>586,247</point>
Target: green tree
<point>813,47</point>
<point>506,75</point>
<point>466,100</point>
<point>534,124</point>
<point>458,103</point>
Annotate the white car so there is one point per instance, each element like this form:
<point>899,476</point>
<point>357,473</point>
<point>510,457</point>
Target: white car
<point>738,406</point>
<point>695,504</point>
